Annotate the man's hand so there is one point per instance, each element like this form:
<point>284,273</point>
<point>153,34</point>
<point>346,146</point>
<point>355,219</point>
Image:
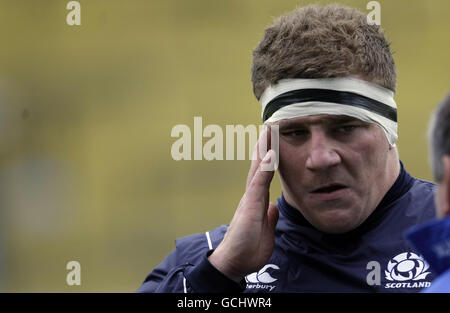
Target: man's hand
<point>249,240</point>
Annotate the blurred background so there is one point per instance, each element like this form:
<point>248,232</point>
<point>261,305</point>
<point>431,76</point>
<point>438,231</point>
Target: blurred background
<point>86,113</point>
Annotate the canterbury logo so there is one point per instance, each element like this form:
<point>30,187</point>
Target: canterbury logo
<point>262,276</point>
<point>406,266</point>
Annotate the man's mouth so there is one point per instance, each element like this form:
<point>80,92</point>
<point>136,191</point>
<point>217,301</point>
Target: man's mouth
<point>329,192</point>
<point>329,188</point>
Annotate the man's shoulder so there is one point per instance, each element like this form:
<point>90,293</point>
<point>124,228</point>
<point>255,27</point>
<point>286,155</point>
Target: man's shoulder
<point>195,245</point>
<point>419,201</point>
<point>422,191</point>
<point>424,185</point>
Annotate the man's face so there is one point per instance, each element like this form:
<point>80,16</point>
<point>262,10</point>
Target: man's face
<point>442,196</point>
<point>334,169</point>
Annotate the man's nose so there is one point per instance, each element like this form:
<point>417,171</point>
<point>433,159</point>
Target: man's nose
<point>322,154</point>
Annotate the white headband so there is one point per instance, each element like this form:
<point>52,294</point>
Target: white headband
<point>291,98</point>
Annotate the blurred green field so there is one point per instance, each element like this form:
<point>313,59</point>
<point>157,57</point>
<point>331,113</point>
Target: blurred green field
<point>86,113</point>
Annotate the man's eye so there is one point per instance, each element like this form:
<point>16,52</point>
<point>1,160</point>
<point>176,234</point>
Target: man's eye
<point>346,128</point>
<point>295,133</point>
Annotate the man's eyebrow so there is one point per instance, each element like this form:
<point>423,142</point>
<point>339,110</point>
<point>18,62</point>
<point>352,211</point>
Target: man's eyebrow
<point>292,124</point>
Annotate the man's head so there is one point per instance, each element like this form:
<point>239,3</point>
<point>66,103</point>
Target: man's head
<point>322,42</point>
<point>439,138</point>
<point>333,167</point>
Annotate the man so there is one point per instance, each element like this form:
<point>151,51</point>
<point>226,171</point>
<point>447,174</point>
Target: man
<point>327,79</point>
<point>432,239</point>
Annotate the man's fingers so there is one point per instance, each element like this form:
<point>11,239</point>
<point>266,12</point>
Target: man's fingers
<point>272,215</point>
<point>259,152</point>
<point>258,188</point>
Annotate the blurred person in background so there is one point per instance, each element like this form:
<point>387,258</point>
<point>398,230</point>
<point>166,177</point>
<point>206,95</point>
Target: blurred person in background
<point>432,239</point>
<point>327,79</point>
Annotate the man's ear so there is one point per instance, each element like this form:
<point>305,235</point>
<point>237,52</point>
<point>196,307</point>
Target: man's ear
<point>446,183</point>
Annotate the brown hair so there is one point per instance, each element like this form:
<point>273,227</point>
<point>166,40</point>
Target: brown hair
<point>322,42</point>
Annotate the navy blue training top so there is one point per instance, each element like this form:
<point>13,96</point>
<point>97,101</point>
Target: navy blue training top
<point>374,257</point>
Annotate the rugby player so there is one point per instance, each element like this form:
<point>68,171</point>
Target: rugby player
<point>432,239</point>
<point>327,79</point>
